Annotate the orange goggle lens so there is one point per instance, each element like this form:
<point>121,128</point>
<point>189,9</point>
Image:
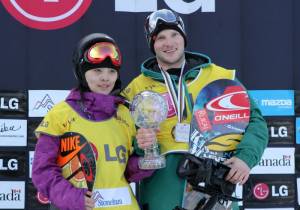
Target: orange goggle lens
<point>100,51</point>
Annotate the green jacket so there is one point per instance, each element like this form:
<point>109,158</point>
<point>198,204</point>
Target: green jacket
<point>164,189</point>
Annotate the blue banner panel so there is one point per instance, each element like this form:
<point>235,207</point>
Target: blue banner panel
<point>271,191</point>
<point>274,102</point>
<point>281,130</point>
<point>298,130</point>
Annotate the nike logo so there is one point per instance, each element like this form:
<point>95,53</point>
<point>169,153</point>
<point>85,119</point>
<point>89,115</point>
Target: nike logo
<point>62,160</point>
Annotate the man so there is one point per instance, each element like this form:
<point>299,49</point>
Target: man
<point>179,76</point>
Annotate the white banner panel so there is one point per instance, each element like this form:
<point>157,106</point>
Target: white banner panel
<point>13,132</point>
<point>276,161</point>
<point>12,195</point>
<point>31,156</point>
<point>41,101</point>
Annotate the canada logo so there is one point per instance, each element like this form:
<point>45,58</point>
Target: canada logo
<point>46,14</point>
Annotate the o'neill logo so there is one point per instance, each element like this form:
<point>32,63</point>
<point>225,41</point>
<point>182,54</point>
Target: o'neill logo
<point>261,191</point>
<point>232,106</point>
<point>47,14</point>
<point>45,103</point>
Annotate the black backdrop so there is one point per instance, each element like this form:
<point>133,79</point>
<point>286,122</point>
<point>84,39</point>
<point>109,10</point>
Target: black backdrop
<point>260,38</point>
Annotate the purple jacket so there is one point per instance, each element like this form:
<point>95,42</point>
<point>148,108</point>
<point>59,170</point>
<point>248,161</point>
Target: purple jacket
<point>46,174</point>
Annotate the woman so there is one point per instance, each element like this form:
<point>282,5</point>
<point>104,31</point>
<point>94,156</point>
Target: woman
<point>92,112</point>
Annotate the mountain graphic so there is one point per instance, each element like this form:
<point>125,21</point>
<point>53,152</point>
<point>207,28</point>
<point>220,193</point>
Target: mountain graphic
<point>46,102</point>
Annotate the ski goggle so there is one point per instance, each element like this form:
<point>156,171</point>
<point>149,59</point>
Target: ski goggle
<point>97,53</point>
<point>163,16</point>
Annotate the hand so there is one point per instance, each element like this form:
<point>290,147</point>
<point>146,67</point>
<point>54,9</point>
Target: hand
<point>146,137</point>
<point>239,172</point>
<point>89,202</point>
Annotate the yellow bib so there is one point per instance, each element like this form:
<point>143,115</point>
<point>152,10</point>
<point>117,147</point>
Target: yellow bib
<point>165,136</point>
<point>112,139</point>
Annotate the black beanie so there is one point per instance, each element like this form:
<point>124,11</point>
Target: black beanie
<point>162,27</point>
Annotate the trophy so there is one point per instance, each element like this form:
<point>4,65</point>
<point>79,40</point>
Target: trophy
<point>148,109</point>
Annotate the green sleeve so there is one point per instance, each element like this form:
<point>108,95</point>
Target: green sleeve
<point>255,139</point>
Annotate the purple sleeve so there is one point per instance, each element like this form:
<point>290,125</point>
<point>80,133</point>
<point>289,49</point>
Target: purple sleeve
<point>48,179</point>
<point>133,173</point>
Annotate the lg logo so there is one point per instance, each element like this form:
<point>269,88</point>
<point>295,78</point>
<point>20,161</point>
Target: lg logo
<point>11,164</point>
<point>282,131</point>
<point>12,103</point>
<point>261,191</point>
<point>179,6</point>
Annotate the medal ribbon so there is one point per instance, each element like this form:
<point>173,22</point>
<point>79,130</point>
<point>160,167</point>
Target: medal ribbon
<point>177,97</point>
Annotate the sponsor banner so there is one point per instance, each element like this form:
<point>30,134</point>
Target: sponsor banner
<point>180,6</point>
<point>298,190</point>
<point>298,130</point>
<point>12,164</point>
<point>274,102</point>
<point>30,159</point>
<point>47,14</point>
<point>281,130</point>
<point>12,195</point>
<point>41,101</point>
<point>13,132</point>
<point>271,191</point>
<point>276,161</point>
<point>33,123</point>
<point>13,104</point>
<point>32,201</point>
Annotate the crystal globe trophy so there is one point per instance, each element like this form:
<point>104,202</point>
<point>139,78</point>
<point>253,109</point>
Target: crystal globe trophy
<point>148,109</point>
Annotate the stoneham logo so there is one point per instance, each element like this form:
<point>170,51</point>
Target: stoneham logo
<point>47,14</point>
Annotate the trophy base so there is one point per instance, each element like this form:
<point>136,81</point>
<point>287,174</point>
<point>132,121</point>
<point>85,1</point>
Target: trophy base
<point>149,163</point>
